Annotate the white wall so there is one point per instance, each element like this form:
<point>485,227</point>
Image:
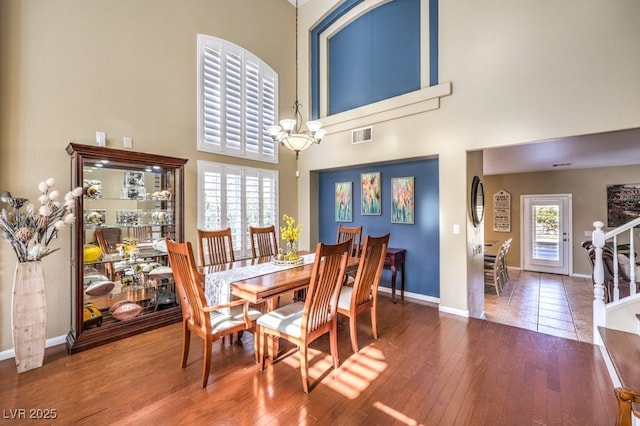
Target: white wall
<point>520,72</point>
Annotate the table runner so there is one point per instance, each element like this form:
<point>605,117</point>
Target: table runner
<point>217,285</point>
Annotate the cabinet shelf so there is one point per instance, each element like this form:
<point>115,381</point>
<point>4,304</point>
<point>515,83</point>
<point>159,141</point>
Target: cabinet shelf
<point>111,225</point>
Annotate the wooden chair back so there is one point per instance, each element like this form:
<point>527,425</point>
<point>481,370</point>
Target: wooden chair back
<point>196,314</point>
<point>327,275</point>
<point>353,234</point>
<point>365,286</point>
<point>108,239</point>
<point>185,275</point>
<point>364,293</point>
<point>141,233</point>
<point>215,247</point>
<point>317,316</point>
<point>264,241</point>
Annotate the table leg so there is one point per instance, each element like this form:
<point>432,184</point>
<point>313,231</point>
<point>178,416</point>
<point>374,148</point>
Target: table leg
<point>393,283</point>
<point>402,284</point>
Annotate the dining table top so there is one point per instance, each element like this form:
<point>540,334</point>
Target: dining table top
<point>265,287</point>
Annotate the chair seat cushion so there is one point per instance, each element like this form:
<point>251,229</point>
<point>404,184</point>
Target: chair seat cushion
<point>344,301</point>
<point>286,320</point>
<point>223,321</point>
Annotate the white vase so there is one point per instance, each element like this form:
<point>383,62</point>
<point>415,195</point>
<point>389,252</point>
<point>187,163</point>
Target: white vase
<point>29,315</point>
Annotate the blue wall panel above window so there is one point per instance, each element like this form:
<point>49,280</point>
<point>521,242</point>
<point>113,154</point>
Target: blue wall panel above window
<point>375,57</point>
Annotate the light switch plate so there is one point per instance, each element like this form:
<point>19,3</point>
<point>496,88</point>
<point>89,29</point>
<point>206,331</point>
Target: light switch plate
<point>127,142</point>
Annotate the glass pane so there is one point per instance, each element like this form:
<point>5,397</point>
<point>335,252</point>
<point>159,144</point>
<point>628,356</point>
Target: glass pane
<point>546,238</point>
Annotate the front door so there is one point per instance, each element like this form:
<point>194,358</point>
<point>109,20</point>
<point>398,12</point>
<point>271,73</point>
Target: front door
<point>546,229</point>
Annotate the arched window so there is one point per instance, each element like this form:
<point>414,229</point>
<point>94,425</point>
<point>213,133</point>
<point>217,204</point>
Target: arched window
<point>237,100</point>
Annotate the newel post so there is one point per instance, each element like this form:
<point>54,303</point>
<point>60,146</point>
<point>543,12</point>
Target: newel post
<point>599,316</point>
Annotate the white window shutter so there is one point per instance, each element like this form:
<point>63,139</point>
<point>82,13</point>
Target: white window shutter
<point>236,197</point>
<point>237,101</point>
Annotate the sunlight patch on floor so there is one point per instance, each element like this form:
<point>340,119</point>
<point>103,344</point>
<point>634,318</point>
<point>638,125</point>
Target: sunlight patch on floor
<point>358,371</point>
<point>398,416</point>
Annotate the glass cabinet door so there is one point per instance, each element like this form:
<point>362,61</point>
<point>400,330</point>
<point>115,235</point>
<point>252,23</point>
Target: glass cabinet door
<point>122,279</point>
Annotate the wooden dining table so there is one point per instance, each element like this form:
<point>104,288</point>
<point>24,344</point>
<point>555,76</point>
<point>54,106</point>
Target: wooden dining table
<point>270,286</point>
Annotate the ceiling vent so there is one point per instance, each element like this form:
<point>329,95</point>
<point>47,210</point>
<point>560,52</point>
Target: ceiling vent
<point>362,135</point>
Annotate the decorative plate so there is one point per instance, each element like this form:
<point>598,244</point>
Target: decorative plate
<point>299,261</point>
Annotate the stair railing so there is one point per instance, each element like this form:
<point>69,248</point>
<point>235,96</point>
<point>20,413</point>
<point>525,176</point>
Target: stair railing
<point>599,239</point>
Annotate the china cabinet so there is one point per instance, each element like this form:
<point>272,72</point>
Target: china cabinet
<point>121,280</point>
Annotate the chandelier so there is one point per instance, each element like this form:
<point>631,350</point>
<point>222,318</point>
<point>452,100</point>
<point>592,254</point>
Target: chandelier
<point>289,133</point>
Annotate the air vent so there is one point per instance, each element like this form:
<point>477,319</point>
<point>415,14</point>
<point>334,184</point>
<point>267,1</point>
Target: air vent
<point>362,135</point>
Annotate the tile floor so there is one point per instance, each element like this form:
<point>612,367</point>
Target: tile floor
<point>552,304</point>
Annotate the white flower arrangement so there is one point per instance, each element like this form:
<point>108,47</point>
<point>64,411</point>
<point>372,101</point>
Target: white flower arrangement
<point>30,230</point>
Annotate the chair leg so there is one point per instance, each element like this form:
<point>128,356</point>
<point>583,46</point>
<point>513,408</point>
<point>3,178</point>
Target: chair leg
<point>304,368</point>
<point>206,363</point>
<point>353,331</point>
<point>374,322</point>
<point>186,340</point>
<point>262,343</point>
<point>256,346</point>
<point>333,344</point>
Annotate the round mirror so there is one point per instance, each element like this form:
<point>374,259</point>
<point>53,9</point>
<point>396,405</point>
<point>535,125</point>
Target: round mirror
<point>477,201</point>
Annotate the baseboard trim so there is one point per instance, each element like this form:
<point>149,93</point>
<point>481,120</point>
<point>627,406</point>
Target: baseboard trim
<point>459,312</point>
<point>581,276</point>
<point>410,295</point>
<point>54,341</point>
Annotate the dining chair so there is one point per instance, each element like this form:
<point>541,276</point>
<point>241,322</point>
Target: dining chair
<point>303,322</point>
<point>353,234</point>
<point>264,241</point>
<point>210,323</point>
<point>215,247</point>
<point>503,266</point>
<point>142,233</point>
<point>495,267</point>
<point>363,295</point>
<point>108,240</point>
<point>493,271</point>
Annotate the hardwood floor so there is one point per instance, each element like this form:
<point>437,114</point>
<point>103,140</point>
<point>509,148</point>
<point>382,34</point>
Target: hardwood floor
<point>427,368</point>
<point>552,304</point>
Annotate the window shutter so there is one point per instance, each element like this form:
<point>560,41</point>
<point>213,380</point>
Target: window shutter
<point>236,197</point>
<point>252,85</point>
<point>211,190</point>
<point>237,101</point>
<point>234,204</point>
<point>212,98</point>
<point>233,103</point>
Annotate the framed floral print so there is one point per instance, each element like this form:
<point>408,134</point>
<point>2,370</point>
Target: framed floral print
<point>370,193</point>
<point>344,201</point>
<point>402,200</point>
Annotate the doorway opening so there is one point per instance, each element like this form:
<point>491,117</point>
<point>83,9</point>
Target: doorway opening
<point>546,233</point>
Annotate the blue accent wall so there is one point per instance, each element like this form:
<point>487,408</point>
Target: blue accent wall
<point>392,34</point>
<point>421,239</point>
<point>375,57</point>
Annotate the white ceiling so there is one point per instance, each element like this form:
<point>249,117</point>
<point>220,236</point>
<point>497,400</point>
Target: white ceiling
<point>620,148</point>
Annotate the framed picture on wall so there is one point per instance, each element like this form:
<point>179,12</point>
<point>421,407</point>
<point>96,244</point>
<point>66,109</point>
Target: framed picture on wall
<point>344,201</point>
<point>402,200</point>
<point>370,193</point>
<point>623,203</point>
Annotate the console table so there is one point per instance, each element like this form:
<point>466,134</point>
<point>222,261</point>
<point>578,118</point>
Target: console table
<point>395,257</point>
